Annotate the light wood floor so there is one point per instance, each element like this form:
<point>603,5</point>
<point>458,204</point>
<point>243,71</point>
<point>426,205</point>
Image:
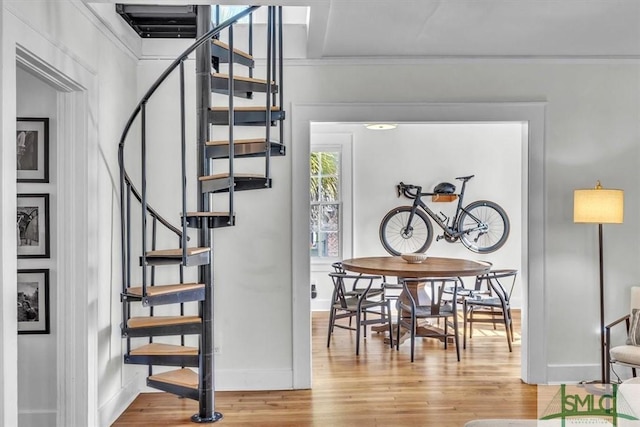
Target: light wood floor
<point>379,388</point>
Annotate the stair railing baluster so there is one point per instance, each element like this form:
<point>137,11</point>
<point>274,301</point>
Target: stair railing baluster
<point>143,188</point>
<point>128,237</point>
<point>183,154</point>
<point>231,122</point>
<point>280,81</point>
<point>126,269</point>
<point>251,42</point>
<point>273,50</point>
<point>154,244</point>
<point>124,225</point>
<point>267,154</point>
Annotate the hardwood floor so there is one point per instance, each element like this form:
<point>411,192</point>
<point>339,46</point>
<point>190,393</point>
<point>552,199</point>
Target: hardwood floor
<point>381,387</point>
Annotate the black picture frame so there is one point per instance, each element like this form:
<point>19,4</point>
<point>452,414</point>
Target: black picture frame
<point>32,225</point>
<point>32,149</point>
<point>33,301</point>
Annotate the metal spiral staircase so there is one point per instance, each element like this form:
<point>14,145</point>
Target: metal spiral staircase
<point>159,341</point>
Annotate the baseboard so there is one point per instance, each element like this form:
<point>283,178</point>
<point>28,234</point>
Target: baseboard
<point>110,411</point>
<point>37,418</point>
<point>320,304</point>
<point>254,380</point>
<point>572,374</point>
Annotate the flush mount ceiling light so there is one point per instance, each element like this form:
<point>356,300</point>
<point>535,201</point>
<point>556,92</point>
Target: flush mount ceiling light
<point>381,126</point>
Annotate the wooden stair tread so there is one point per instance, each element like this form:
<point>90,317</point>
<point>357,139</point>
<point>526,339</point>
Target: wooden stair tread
<point>144,322</point>
<point>243,78</point>
<point>208,214</point>
<point>175,253</point>
<point>182,377</point>
<point>226,175</point>
<point>235,51</point>
<point>158,349</point>
<point>246,109</point>
<point>153,291</point>
<point>237,141</point>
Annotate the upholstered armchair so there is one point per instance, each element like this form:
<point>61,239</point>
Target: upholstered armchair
<point>627,354</point>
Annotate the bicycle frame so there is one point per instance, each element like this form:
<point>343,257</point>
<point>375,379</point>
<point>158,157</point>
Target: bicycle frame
<point>450,231</point>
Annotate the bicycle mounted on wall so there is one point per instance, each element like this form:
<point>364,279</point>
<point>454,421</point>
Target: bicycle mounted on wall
<point>482,226</point>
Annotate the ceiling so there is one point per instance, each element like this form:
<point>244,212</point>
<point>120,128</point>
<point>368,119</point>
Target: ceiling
<point>460,28</point>
<point>478,28</point>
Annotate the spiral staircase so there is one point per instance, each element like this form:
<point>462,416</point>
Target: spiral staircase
<point>224,73</point>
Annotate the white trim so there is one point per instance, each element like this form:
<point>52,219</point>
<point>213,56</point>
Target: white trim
<point>534,352</point>
<point>253,379</point>
<point>469,59</point>
<point>111,410</point>
<point>8,260</point>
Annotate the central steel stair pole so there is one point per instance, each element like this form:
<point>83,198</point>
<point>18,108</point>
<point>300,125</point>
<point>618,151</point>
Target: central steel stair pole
<point>206,413</point>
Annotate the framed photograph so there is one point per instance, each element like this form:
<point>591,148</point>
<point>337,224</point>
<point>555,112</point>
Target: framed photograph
<point>33,301</point>
<point>32,225</point>
<point>32,149</point>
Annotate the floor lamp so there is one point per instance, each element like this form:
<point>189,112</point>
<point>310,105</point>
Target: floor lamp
<point>599,206</point>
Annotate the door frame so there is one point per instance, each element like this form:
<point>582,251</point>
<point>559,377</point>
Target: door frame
<point>532,114</point>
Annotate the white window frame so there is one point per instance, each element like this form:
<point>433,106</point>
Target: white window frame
<point>342,143</point>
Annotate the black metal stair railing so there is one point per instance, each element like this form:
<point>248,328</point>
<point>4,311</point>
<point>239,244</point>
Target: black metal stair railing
<point>127,188</point>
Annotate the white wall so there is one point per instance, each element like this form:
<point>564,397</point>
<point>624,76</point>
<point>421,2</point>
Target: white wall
<point>426,154</point>
<point>37,382</point>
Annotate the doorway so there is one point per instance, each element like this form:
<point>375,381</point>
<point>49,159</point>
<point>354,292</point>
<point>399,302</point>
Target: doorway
<point>529,115</point>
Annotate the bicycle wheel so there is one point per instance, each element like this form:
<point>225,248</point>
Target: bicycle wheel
<point>400,237</point>
<point>485,225</point>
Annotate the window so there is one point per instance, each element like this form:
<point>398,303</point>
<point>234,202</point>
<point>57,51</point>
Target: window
<point>226,12</point>
<point>326,202</point>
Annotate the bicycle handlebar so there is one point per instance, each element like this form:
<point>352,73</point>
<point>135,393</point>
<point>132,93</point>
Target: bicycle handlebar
<point>410,191</point>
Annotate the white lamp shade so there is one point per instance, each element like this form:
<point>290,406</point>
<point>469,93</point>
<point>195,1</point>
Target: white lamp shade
<point>598,205</point>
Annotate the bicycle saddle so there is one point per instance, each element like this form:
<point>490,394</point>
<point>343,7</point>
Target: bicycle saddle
<point>444,188</point>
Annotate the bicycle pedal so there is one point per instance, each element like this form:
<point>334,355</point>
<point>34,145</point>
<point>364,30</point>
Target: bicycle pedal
<point>440,237</point>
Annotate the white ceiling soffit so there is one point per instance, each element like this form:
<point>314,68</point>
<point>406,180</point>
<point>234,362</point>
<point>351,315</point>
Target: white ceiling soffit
<point>479,28</point>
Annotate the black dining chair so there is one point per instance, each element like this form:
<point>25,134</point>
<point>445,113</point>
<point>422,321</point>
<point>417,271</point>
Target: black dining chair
<point>367,305</point>
<point>490,303</point>
<point>411,311</point>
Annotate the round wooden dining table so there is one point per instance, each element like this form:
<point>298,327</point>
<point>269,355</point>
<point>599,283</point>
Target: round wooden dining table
<point>431,268</point>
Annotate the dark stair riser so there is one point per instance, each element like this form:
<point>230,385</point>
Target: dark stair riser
<point>162,331</point>
<point>192,260</point>
<point>241,88</point>
<point>172,298</point>
<point>186,392</point>
<point>220,55</point>
<point>256,149</point>
<point>245,118</point>
<point>222,185</point>
<point>162,360</point>
<point>211,221</point>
